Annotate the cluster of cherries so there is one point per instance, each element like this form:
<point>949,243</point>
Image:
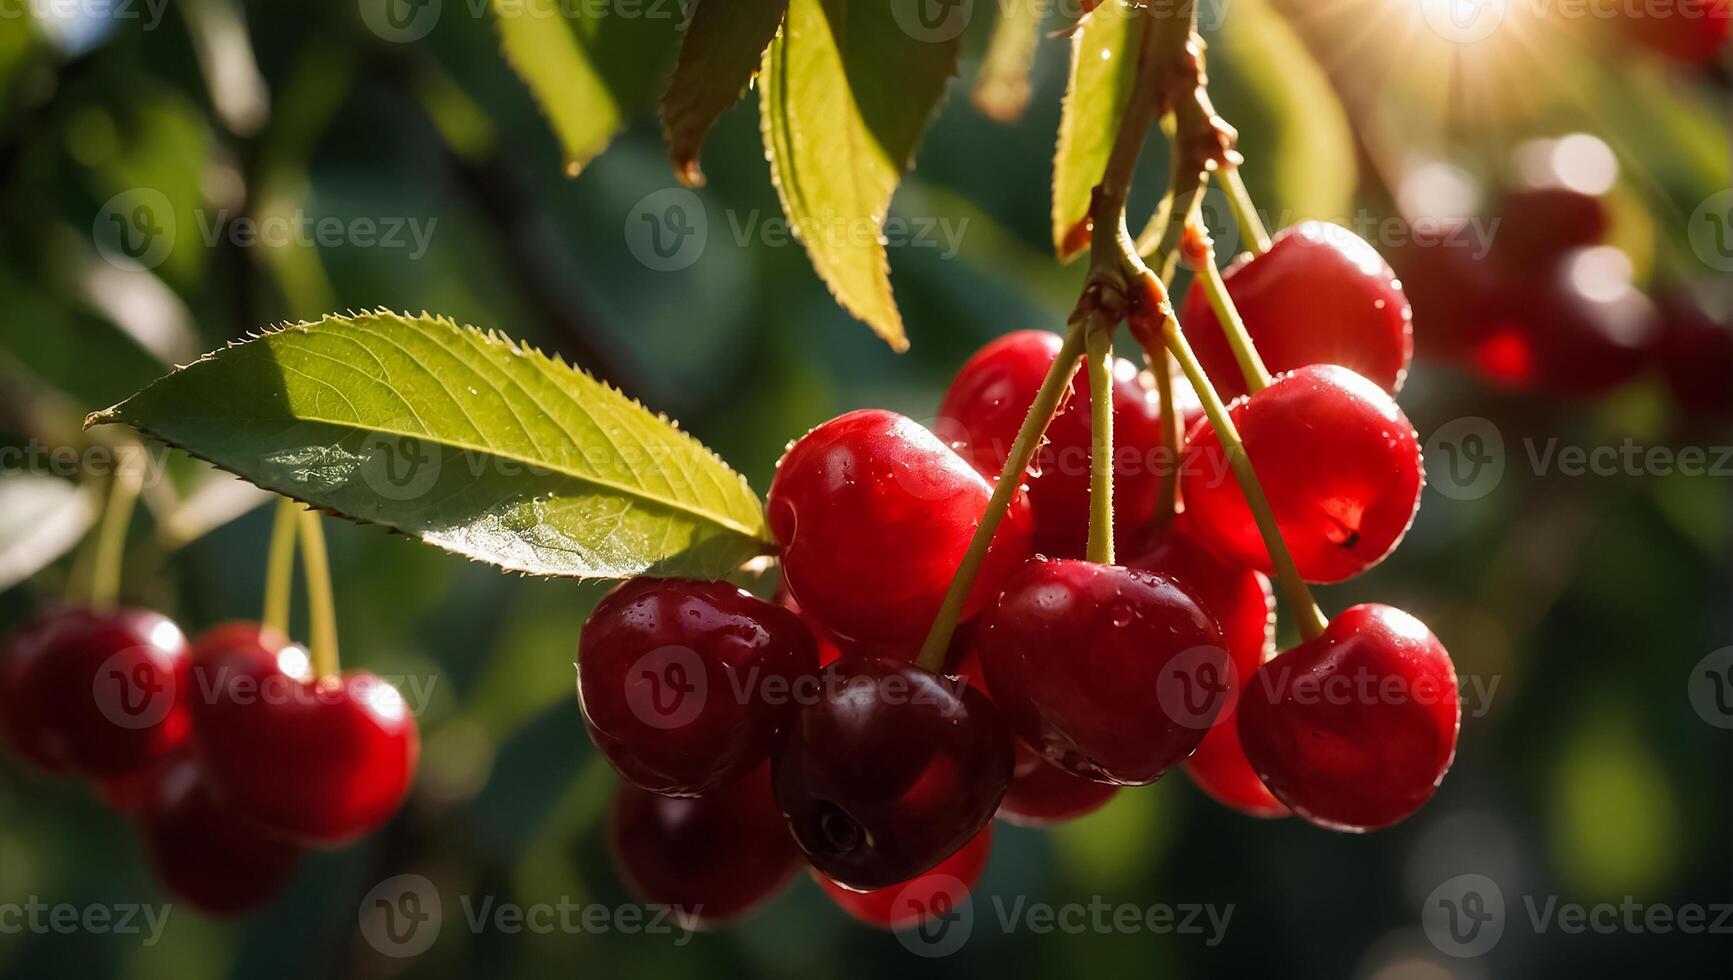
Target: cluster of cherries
<point>753,736</point>
<point>1550,306</point>
<point>231,755</point>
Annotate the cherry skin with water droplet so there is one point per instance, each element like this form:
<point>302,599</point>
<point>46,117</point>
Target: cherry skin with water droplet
<point>687,685</point>
<point>715,857</point>
<point>99,693</point>
<point>1355,729</point>
<point>924,898</point>
<point>890,770</point>
<point>1108,672</point>
<point>1338,461</point>
<point>986,404</point>
<point>319,761</point>
<point>874,514</point>
<point>1042,794</point>
<point>1244,604</point>
<point>205,853</point>
<point>1320,295</point>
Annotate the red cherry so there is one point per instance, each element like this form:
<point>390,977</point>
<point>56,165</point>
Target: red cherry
<point>207,854</point>
<point>1690,31</point>
<point>688,685</point>
<point>986,404</point>
<point>1320,295</point>
<point>873,514</point>
<point>1042,794</point>
<point>1338,461</point>
<point>1452,288</point>
<point>320,762</point>
<point>713,858</point>
<point>102,694</point>
<point>1590,328</point>
<point>1696,356</point>
<point>890,770</point>
<point>1108,672</point>
<point>1538,225</point>
<point>1244,604</point>
<point>828,649</point>
<point>1354,730</point>
<point>921,899</point>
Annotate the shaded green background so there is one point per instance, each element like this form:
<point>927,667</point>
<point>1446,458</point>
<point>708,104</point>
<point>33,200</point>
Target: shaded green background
<point>1587,601</point>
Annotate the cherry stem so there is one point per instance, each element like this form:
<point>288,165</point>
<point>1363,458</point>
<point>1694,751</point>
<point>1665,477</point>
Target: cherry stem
<point>123,491</point>
<point>1159,240</point>
<point>1245,212</point>
<point>1233,325</point>
<point>1098,359</point>
<point>321,606</point>
<point>1167,499</point>
<point>1041,412</point>
<point>280,567</point>
<point>1294,589</point>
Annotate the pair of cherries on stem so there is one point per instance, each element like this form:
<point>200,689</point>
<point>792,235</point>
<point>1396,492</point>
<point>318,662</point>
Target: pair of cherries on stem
<point>230,754</point>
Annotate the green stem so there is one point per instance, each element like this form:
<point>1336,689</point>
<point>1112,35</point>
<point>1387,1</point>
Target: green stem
<point>1098,343</point>
<point>1160,243</point>
<point>321,604</point>
<point>1233,326</point>
<point>123,490</point>
<point>1245,212</point>
<point>1294,589</point>
<point>1167,499</point>
<point>1041,411</point>
<point>280,567</point>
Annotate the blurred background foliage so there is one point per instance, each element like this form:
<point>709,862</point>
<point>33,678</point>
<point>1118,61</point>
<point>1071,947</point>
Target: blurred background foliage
<point>1586,601</point>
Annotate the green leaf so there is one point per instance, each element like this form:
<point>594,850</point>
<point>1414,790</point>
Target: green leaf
<point>722,51</point>
<point>41,518</point>
<point>846,93</point>
<point>589,65</point>
<point>460,438</point>
<point>1001,91</point>
<point>1103,69</point>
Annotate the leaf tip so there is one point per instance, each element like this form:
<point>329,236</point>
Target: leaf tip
<point>107,416</point>
<point>687,170</point>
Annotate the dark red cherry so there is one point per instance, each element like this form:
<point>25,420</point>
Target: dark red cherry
<point>101,694</point>
<point>1694,32</point>
<point>713,857</point>
<point>873,514</point>
<point>1354,730</point>
<point>1042,794</point>
<point>828,649</point>
<point>688,685</point>
<point>1591,329</point>
<point>1338,461</point>
<point>1244,604</point>
<point>1320,295</point>
<point>1696,357</point>
<point>925,897</point>
<point>320,761</point>
<point>986,404</point>
<point>1538,225</point>
<point>205,853</point>
<point>1108,672</point>
<point>890,770</point>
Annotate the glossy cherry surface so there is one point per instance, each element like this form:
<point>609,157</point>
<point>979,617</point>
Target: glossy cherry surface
<point>1354,730</point>
<point>1108,672</point>
<point>922,899</point>
<point>1338,461</point>
<point>873,514</point>
<point>687,685</point>
<point>1042,794</point>
<point>1538,225</point>
<point>986,404</point>
<point>318,761</point>
<point>890,770</point>
<point>1245,606</point>
<point>713,858</point>
<point>205,853</point>
<point>101,694</point>
<point>1320,295</point>
<point>1590,327</point>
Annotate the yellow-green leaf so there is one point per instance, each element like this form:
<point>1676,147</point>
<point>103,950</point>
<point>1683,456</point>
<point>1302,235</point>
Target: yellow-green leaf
<point>1103,70</point>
